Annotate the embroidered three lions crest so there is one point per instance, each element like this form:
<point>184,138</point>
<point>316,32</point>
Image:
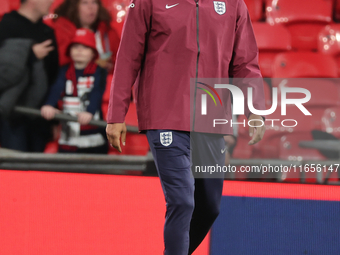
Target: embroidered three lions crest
<point>219,7</point>
<point>166,138</point>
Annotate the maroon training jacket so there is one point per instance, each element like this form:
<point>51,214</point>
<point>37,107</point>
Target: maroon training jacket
<point>165,43</point>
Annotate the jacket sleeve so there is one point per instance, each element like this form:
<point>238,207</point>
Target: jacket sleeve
<point>57,88</point>
<point>129,58</point>
<point>244,67</point>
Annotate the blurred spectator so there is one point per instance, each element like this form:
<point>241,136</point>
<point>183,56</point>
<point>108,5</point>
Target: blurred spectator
<point>91,14</point>
<point>28,64</point>
<point>81,85</point>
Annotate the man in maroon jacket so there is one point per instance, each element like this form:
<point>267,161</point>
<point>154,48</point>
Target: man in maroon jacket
<point>164,46</point>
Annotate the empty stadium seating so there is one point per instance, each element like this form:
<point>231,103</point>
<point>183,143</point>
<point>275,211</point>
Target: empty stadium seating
<point>304,65</point>
<point>275,130</point>
<point>337,10</point>
<point>271,40</point>
<point>117,9</point>
<point>267,94</point>
<point>289,148</point>
<point>255,8</point>
<point>303,18</point>
<point>324,92</point>
<point>329,42</point>
<point>331,121</point>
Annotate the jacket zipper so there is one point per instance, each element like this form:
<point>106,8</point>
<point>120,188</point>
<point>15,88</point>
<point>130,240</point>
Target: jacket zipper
<point>198,55</point>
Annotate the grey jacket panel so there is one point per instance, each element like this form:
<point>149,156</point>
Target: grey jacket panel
<point>20,84</point>
<point>14,54</point>
<point>8,99</point>
<point>38,87</point>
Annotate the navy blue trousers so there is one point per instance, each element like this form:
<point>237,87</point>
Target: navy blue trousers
<point>192,202</point>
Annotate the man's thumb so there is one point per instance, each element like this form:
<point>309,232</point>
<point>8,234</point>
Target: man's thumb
<point>251,131</point>
<point>123,137</point>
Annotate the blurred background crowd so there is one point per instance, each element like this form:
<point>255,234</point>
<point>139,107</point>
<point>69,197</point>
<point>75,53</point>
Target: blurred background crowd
<point>43,59</point>
<point>296,39</point>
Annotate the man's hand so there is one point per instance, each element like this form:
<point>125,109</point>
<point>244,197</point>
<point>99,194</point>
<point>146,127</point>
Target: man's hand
<point>114,132</point>
<point>256,133</point>
<point>41,50</point>
<point>48,112</point>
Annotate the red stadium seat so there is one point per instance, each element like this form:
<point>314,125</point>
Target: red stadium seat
<point>324,92</point>
<point>303,18</point>
<point>290,149</point>
<point>117,9</point>
<point>331,121</point>
<point>4,7</point>
<point>267,94</point>
<point>268,147</point>
<point>304,65</point>
<point>131,116</point>
<point>337,10</point>
<point>13,4</point>
<point>271,40</point>
<point>329,42</point>
<point>255,9</point>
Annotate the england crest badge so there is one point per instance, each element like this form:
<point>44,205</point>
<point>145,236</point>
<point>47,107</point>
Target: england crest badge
<point>166,138</point>
<point>219,7</point>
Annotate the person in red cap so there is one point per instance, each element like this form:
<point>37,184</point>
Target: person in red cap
<point>80,85</point>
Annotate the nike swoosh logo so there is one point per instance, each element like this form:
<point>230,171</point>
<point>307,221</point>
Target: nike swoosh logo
<point>223,150</point>
<point>170,6</point>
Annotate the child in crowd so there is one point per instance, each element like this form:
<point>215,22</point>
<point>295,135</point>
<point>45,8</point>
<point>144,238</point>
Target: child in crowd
<point>80,85</point>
